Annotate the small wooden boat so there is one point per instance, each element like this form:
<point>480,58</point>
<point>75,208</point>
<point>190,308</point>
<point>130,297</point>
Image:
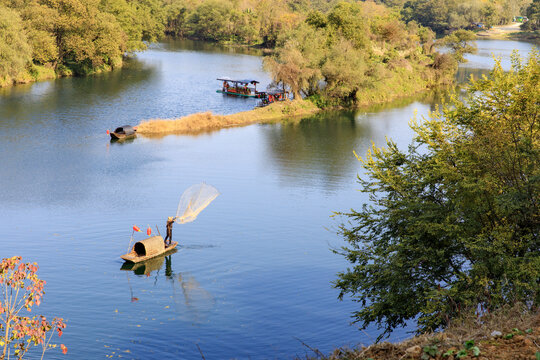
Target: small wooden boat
<point>147,249</point>
<point>148,266</point>
<point>239,88</point>
<point>123,132</point>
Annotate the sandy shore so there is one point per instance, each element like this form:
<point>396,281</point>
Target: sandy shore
<point>500,32</point>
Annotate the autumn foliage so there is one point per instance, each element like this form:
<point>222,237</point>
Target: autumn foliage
<point>21,289</point>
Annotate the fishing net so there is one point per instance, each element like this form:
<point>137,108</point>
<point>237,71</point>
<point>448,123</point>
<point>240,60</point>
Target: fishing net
<point>193,201</point>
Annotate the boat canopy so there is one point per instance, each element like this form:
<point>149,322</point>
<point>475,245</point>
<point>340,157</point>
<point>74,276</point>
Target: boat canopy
<point>246,81</point>
<point>152,245</point>
<point>126,129</point>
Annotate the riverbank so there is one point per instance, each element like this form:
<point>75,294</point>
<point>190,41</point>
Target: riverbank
<point>511,333</point>
<point>35,73</point>
<point>206,121</point>
<point>509,32</point>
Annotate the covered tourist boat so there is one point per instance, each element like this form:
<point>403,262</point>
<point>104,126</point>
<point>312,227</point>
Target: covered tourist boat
<point>123,132</point>
<point>147,249</point>
<point>239,87</point>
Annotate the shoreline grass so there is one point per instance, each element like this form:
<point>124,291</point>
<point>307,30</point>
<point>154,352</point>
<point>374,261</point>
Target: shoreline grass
<point>512,332</point>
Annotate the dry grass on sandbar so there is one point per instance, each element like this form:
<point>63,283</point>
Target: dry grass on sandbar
<point>205,122</point>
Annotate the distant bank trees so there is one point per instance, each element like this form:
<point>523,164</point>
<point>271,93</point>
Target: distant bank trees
<point>447,15</point>
<point>359,53</point>
<point>42,37</point>
<point>533,13</point>
<point>250,22</point>
<point>453,224</point>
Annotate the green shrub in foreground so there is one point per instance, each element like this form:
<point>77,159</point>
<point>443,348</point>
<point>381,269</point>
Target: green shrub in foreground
<point>453,223</point>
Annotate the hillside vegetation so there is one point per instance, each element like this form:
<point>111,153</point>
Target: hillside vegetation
<point>362,53</point>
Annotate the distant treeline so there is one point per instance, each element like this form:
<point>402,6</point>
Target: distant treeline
<point>261,21</point>
<point>240,22</point>
<point>47,38</point>
<point>443,16</point>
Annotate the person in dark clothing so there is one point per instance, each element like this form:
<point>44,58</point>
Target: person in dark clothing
<point>170,222</point>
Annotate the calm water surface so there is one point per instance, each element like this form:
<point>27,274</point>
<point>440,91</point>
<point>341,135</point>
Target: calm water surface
<point>252,275</point>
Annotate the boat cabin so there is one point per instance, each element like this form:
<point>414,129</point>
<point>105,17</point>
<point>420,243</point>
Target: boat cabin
<point>147,249</point>
<point>269,97</point>
<point>239,87</point>
<point>123,132</point>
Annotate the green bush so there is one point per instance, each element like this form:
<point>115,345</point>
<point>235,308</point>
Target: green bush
<point>453,223</point>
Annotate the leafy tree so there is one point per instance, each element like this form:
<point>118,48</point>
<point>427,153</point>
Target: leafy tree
<point>453,224</point>
<point>86,36</point>
<point>15,52</point>
<point>296,65</point>
<point>211,21</point>
<point>39,23</point>
<point>21,289</point>
<point>533,14</point>
<point>430,13</point>
<point>126,14</point>
<point>274,20</point>
<point>459,43</point>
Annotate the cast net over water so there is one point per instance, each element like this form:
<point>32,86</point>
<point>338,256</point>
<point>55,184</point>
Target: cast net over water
<point>193,201</point>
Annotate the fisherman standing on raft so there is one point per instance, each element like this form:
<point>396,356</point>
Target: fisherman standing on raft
<point>170,222</point>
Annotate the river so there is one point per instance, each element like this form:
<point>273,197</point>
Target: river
<point>252,277</point>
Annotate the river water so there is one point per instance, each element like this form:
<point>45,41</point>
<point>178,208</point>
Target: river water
<point>252,277</point>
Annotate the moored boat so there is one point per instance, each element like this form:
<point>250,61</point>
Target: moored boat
<point>239,87</point>
<point>147,249</point>
<point>269,97</point>
<point>123,132</point>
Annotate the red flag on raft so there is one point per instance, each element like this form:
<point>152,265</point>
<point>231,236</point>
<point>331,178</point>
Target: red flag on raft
<point>136,228</point>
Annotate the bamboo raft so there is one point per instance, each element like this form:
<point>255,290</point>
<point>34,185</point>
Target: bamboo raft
<point>147,249</point>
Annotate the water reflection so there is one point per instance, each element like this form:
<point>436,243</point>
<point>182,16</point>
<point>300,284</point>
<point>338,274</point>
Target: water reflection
<point>191,300</point>
<point>321,147</point>
<point>171,44</point>
<point>70,104</point>
<point>120,142</point>
<point>150,265</point>
<point>316,143</point>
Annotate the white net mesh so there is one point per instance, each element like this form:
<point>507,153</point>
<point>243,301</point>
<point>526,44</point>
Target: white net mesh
<point>193,201</point>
